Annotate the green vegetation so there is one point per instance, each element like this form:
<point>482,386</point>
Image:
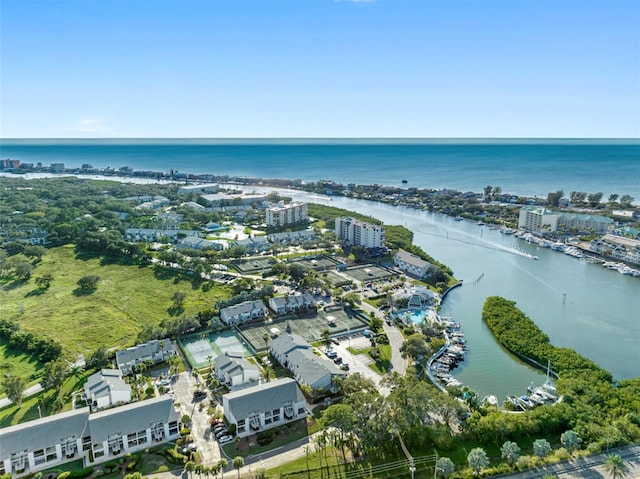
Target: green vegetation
<point>113,315</point>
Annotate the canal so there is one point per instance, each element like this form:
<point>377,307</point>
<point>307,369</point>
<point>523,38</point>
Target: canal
<point>599,317</point>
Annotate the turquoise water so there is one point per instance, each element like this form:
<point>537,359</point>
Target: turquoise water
<point>525,167</point>
<point>415,317</point>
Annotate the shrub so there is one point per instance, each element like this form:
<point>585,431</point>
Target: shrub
<point>64,475</point>
<point>174,456</point>
<point>185,431</point>
<point>81,473</point>
<point>265,438</point>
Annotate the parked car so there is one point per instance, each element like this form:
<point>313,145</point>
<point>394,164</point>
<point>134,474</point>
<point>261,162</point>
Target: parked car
<point>219,427</point>
<point>221,433</point>
<point>337,360</point>
<point>225,439</point>
<point>345,366</point>
<point>199,394</point>
<point>331,354</point>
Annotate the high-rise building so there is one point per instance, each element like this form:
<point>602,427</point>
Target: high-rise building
<point>354,232</point>
<point>282,215</point>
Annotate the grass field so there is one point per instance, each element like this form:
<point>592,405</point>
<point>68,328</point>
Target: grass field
<point>126,298</point>
<point>17,364</point>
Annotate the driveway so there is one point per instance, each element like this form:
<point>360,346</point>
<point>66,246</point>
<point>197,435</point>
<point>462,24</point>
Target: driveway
<point>183,386</point>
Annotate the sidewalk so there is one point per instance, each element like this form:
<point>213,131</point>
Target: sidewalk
<point>36,388</point>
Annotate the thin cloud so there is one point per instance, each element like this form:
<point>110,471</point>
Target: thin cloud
<point>91,125</point>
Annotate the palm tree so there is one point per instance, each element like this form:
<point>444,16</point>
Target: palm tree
<point>199,469</point>
<point>269,373</point>
<point>615,467</point>
<point>510,451</point>
<point>223,463</point>
<point>238,463</point>
<point>477,460</point>
<point>190,466</point>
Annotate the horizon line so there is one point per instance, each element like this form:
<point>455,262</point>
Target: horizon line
<point>369,138</point>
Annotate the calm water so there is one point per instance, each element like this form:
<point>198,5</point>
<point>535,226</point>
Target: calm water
<point>525,167</point>
<point>600,317</point>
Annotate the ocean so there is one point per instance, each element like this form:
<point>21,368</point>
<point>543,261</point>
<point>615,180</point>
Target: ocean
<point>522,167</point>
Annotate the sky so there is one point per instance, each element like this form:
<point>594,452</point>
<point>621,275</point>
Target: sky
<point>319,68</point>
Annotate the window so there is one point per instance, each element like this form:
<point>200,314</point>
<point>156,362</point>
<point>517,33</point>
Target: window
<point>38,457</point>
<point>19,461</point>
<point>142,437</point>
<point>132,439</point>
<point>173,428</point>
<point>98,450</point>
<point>51,453</point>
<point>301,410</point>
<point>115,443</point>
<point>157,431</point>
<point>69,446</point>
<point>86,443</point>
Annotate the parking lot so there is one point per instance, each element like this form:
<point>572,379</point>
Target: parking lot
<point>358,363</point>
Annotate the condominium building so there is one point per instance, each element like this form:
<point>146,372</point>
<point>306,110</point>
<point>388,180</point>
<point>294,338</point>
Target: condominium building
<point>282,215</point>
<point>354,232</point>
<point>538,219</point>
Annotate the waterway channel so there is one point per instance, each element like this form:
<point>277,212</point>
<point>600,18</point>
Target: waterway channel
<point>599,317</point>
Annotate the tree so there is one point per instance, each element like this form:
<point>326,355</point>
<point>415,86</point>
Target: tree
<point>595,198</point>
<point>613,197</point>
<point>487,190</point>
<point>23,270</point>
<point>223,463</point>
<point>44,281</point>
<point>510,451</point>
<point>178,299</point>
<point>554,198</point>
<point>238,463</point>
<point>615,467</point>
<point>133,475</point>
<point>268,373</point>
<point>55,372</point>
<point>266,338</point>
<point>541,447</point>
<point>477,460</point>
<point>190,466</point>
<point>89,282</point>
<point>570,440</point>
<point>35,251</point>
<point>444,467</point>
<point>13,387</point>
<point>99,359</point>
<point>199,469</point>
<point>416,347</point>
<point>626,200</point>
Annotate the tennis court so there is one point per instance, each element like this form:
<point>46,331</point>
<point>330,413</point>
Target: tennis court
<point>199,349</point>
<point>318,263</point>
<point>310,326</point>
<point>335,279</point>
<point>255,265</point>
<point>370,272</point>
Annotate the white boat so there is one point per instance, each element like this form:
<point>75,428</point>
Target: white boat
<point>490,400</point>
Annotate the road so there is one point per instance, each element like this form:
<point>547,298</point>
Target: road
<point>36,388</point>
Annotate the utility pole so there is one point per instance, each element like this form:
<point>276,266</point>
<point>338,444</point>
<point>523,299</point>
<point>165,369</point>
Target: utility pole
<point>412,464</point>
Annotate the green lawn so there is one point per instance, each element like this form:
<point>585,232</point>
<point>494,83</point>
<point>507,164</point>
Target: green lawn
<point>111,316</point>
<point>18,364</point>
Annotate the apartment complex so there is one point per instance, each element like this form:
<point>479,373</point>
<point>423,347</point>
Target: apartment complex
<point>282,215</point>
<point>354,232</point>
<point>539,219</point>
<point>43,443</point>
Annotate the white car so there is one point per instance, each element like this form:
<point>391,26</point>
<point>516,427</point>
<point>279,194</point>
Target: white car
<point>225,439</point>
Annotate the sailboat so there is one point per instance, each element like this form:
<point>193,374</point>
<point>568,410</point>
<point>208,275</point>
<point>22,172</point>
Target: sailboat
<point>548,386</point>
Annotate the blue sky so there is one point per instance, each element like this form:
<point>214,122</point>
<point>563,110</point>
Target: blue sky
<point>319,68</point>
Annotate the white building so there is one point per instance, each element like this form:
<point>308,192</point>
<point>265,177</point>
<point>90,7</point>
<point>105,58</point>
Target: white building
<point>198,189</point>
<point>233,370</point>
<point>106,388</point>
<point>264,406</point>
<point>243,312</point>
<point>297,355</point>
<point>354,232</point>
<point>155,351</point>
<point>411,264</point>
<point>282,215</point>
<point>292,303</point>
<point>44,443</point>
<point>539,219</point>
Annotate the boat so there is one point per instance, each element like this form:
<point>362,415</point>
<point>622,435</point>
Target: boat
<point>405,181</point>
<point>490,400</point>
<point>526,402</point>
<point>458,218</point>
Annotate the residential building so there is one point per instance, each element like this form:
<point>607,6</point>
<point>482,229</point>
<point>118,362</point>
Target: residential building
<point>191,242</point>
<point>156,234</point>
<point>264,406</point>
<point>50,441</point>
<point>282,215</point>
<point>289,237</point>
<point>253,245</point>
<point>199,189</point>
<point>9,164</point>
<point>411,264</point>
<point>292,303</point>
<point>106,388</point>
<point>233,370</point>
<point>155,351</point>
<point>537,219</point>
<point>225,199</point>
<point>540,220</point>
<point>297,355</point>
<point>354,232</point>
<point>243,312</point>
